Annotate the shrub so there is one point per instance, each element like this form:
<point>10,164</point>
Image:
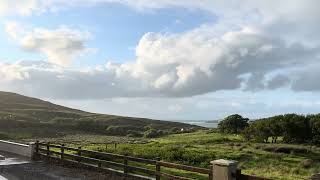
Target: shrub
<point>306,163</point>
<point>4,136</point>
<point>286,149</point>
<point>123,131</point>
<point>173,153</point>
<point>153,133</point>
<point>134,134</point>
<point>174,130</point>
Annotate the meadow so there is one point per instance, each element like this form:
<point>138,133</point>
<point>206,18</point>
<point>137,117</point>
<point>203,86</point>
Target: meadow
<point>275,161</point>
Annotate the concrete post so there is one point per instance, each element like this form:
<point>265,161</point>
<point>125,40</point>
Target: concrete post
<point>224,169</point>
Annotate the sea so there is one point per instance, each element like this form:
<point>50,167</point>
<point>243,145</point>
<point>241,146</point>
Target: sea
<point>206,124</point>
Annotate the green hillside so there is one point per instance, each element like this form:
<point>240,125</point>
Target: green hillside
<point>24,117</point>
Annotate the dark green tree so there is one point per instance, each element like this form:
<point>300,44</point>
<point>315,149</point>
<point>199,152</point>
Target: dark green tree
<point>233,124</point>
<point>262,130</point>
<point>276,128</point>
<point>296,128</point>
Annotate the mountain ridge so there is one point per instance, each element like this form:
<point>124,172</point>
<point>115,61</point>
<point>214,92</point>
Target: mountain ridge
<point>22,116</point>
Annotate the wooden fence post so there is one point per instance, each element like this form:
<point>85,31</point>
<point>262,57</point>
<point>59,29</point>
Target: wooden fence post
<point>99,164</point>
<point>34,150</point>
<point>115,146</point>
<point>48,149</point>
<point>158,169</point>
<point>125,167</point>
<point>238,174</point>
<point>211,172</point>
<point>37,147</point>
<point>79,154</point>
<point>62,151</point>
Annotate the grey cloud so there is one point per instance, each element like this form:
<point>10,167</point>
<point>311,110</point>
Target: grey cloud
<point>255,82</point>
<point>307,79</point>
<point>278,81</point>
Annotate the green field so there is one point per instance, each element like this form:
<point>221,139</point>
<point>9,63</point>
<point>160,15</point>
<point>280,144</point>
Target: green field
<point>25,119</point>
<point>276,161</point>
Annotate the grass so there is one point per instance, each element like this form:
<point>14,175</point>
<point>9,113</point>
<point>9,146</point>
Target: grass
<point>199,148</point>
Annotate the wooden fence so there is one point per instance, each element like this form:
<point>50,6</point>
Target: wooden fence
<point>122,164</point>
<point>125,165</point>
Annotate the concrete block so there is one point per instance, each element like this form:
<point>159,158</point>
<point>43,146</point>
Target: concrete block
<point>224,169</point>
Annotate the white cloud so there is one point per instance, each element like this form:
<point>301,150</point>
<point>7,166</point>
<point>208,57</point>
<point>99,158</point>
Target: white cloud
<point>167,65</point>
<point>9,7</point>
<point>291,10</point>
<point>175,108</point>
<point>61,45</point>
<point>241,50</point>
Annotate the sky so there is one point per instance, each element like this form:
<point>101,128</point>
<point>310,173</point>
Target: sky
<point>164,59</point>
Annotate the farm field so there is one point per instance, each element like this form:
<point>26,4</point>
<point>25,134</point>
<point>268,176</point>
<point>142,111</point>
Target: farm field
<point>275,161</point>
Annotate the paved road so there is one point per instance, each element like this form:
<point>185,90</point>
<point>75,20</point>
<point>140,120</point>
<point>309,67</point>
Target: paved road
<point>19,168</point>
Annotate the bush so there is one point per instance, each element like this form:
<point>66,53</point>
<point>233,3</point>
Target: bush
<point>153,133</point>
<point>173,153</point>
<point>134,134</point>
<point>174,130</point>
<point>4,136</point>
<point>123,131</point>
<point>306,163</point>
<point>285,149</point>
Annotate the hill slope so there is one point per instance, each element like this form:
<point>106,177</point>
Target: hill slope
<point>24,117</point>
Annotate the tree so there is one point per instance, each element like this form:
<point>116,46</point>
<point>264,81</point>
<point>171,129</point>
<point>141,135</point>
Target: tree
<point>292,127</point>
<point>276,128</point>
<point>296,128</point>
<point>233,124</point>
<point>262,130</point>
<point>315,128</point>
<point>249,132</point>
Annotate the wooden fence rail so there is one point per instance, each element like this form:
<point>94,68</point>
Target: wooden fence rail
<point>123,163</point>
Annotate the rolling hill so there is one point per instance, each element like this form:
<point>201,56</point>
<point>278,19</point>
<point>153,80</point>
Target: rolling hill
<point>26,117</point>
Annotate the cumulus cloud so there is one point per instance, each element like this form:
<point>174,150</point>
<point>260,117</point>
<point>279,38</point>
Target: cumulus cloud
<point>287,18</point>
<point>243,50</point>
<point>61,45</point>
<point>167,65</point>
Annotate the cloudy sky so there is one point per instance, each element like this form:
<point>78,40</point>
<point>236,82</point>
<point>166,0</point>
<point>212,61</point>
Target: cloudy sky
<point>164,59</point>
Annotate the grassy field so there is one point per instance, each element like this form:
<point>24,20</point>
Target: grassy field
<point>276,161</point>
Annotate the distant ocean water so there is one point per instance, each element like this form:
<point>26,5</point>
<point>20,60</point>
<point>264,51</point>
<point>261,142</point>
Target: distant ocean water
<point>202,123</point>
